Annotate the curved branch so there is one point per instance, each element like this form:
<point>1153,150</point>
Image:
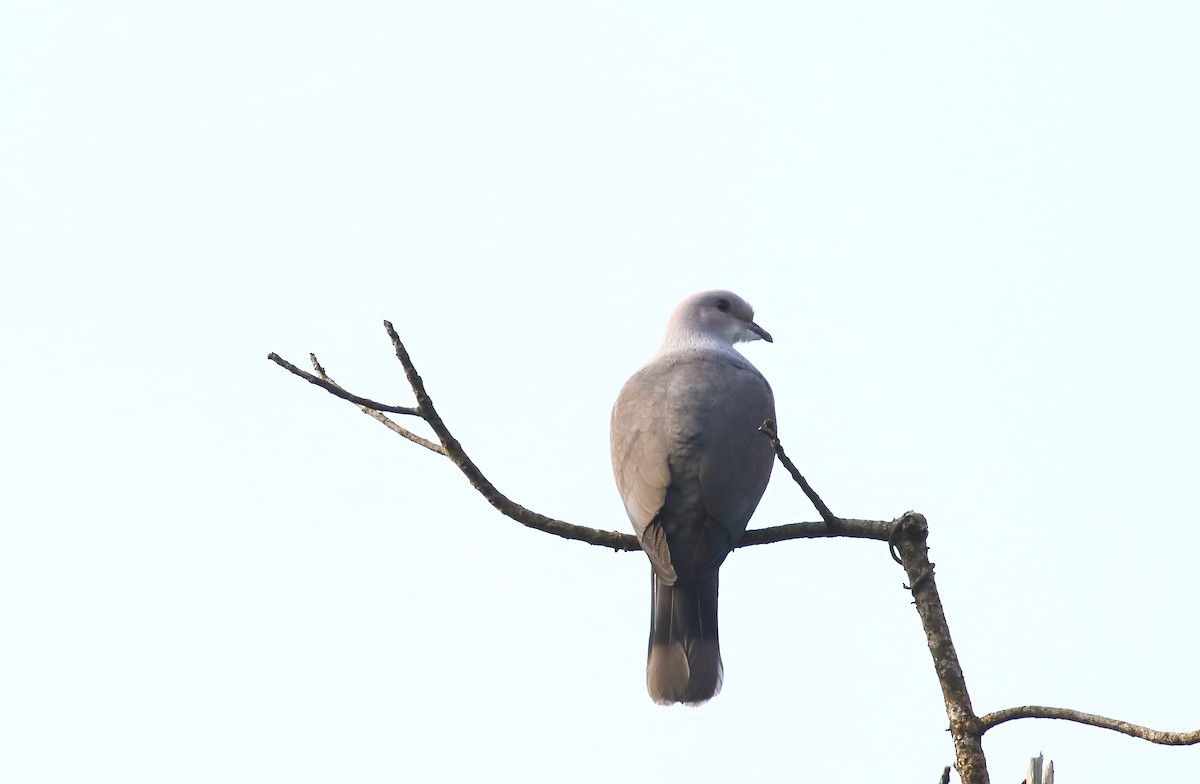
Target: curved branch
<point>507,507</point>
<point>451,448</point>
<point>1091,719</point>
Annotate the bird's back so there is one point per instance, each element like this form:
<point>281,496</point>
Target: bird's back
<point>689,461</point>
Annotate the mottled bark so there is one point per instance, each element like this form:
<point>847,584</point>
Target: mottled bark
<point>911,542</point>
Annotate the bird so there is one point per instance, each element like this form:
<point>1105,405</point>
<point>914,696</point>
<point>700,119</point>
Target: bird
<point>691,467</point>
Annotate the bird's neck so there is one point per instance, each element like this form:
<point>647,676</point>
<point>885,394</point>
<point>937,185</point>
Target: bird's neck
<point>694,343</point>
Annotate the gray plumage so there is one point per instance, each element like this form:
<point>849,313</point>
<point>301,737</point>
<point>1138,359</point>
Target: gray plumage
<point>691,467</point>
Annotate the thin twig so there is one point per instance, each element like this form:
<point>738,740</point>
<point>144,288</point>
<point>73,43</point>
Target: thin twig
<point>378,417</point>
<point>945,779</point>
<point>323,380</point>
<point>334,389</point>
<point>1091,719</point>
<point>404,432</point>
<point>768,430</point>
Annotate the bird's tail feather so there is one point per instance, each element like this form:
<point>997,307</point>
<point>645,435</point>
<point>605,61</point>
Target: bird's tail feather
<point>684,661</point>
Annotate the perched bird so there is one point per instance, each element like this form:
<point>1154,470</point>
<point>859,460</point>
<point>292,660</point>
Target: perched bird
<point>691,467</point>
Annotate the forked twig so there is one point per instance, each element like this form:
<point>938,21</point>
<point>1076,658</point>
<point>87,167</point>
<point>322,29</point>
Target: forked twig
<point>368,407</point>
<point>326,383</point>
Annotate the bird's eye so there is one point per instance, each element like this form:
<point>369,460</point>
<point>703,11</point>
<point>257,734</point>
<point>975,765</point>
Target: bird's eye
<point>723,305</point>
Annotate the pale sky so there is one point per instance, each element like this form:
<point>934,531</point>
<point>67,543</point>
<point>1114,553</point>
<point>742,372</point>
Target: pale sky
<point>972,231</point>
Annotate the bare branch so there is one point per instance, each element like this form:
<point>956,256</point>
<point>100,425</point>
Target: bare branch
<point>451,448</point>
<point>507,507</point>
<point>907,539</point>
<point>334,389</point>
<point>945,779</point>
<point>768,430</point>
<point>368,407</point>
<point>912,542</point>
<point>397,429</point>
<point>378,417</point>
<point>1091,719</point>
<point>853,529</point>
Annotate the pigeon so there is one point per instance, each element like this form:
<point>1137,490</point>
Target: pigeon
<point>691,467</point>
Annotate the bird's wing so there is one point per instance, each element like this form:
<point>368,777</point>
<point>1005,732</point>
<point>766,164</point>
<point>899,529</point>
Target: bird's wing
<point>640,450</point>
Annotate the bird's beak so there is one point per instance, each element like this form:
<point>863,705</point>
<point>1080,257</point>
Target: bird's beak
<point>762,333</point>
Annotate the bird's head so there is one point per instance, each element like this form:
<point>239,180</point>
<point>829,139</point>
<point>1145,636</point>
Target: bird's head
<point>717,314</point>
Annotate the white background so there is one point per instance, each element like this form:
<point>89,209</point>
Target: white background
<point>972,231</point>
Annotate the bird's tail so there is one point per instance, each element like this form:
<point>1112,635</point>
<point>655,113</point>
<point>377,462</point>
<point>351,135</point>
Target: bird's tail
<point>684,662</point>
